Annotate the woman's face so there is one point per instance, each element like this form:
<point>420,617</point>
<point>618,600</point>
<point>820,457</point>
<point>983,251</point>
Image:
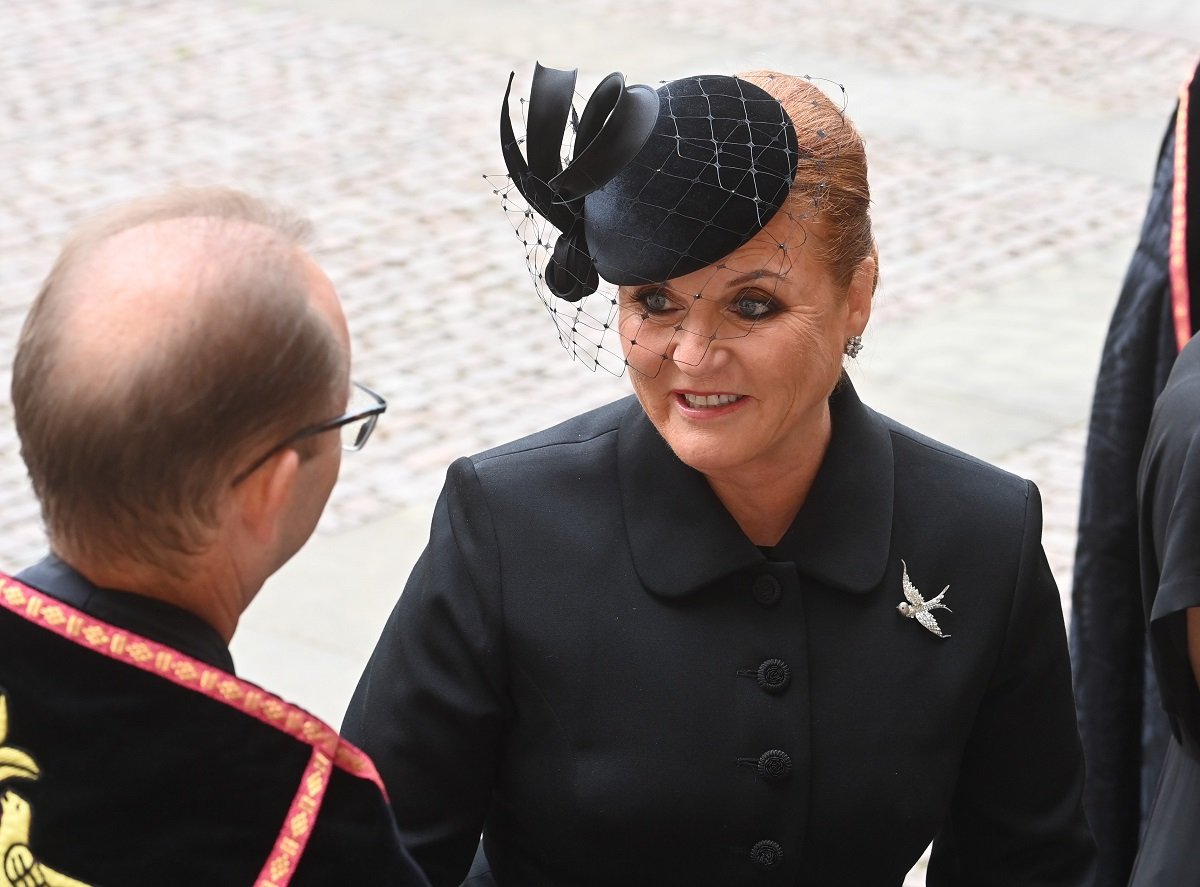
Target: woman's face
<point>737,376</point>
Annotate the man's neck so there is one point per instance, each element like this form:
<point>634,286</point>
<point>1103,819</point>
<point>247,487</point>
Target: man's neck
<point>210,588</point>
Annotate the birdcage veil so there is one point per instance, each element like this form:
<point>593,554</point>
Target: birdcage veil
<point>645,186</point>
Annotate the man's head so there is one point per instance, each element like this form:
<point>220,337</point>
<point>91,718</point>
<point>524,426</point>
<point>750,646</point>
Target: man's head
<point>175,340</point>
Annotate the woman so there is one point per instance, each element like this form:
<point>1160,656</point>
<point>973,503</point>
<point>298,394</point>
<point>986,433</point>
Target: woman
<point>703,636</point>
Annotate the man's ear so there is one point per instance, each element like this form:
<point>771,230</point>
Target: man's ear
<point>263,496</point>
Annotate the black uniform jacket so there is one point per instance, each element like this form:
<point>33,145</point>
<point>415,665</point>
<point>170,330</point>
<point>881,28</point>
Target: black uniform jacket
<point>1169,523</point>
<point>592,663</point>
<point>126,761</point>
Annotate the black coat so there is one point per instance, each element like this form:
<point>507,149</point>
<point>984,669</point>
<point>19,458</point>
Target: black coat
<point>1169,524</point>
<point>592,663</point>
<point>1123,727</point>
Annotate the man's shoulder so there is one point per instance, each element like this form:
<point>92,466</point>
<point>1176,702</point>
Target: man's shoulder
<point>71,654</point>
<point>110,721</point>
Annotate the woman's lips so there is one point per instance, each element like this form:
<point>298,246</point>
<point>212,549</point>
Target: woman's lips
<point>696,403</point>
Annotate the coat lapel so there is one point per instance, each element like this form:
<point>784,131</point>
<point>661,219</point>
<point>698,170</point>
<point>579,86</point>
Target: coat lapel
<point>842,535</point>
<point>681,536</point>
<point>683,539</point>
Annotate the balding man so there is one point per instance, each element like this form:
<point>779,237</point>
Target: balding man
<point>182,395</point>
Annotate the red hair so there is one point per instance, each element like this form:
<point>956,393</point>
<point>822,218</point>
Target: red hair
<point>831,175</point>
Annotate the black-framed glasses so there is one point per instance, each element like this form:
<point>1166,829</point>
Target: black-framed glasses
<point>356,425</point>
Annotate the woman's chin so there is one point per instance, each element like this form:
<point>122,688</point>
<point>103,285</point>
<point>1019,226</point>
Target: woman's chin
<point>705,451</point>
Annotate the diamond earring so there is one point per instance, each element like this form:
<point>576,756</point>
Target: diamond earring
<point>853,346</point>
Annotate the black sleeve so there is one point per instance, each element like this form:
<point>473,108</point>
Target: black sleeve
<point>431,704</point>
<point>1169,498</point>
<point>1017,815</point>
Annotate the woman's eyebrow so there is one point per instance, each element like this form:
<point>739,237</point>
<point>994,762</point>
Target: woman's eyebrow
<point>758,275</point>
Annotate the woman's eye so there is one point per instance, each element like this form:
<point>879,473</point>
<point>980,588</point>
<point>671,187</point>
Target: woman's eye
<point>752,307</point>
<point>654,301</point>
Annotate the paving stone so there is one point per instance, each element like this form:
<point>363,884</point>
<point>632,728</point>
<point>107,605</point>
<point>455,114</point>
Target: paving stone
<point>1099,66</point>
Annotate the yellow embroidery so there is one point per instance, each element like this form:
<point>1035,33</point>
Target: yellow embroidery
<point>300,824</point>
<point>18,865</point>
<point>279,867</point>
<point>53,615</point>
<point>14,763</point>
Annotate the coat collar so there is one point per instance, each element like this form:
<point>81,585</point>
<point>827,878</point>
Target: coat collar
<point>154,619</point>
<point>682,538</point>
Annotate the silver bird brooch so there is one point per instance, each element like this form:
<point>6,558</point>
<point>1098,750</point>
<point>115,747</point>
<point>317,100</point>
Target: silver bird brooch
<point>918,608</point>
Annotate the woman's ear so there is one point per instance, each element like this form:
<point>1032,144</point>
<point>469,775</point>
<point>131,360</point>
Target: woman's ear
<point>265,494</point>
<point>861,295</point>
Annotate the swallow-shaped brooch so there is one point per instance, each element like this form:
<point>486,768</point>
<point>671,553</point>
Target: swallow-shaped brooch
<point>919,608</point>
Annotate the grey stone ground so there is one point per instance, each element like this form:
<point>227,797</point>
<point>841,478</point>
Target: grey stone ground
<point>1011,154</point>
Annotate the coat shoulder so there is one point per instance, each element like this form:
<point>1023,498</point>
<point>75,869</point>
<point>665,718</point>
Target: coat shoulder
<point>584,433</point>
<point>927,461</point>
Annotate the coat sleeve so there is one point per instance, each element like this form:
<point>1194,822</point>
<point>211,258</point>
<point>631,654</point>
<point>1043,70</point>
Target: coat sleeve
<point>431,704</point>
<point>1168,484</point>
<point>1017,815</point>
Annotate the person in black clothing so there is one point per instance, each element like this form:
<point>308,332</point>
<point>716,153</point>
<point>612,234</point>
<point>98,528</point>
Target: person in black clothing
<point>1121,722</point>
<point>1169,532</point>
<point>182,396</point>
<point>738,629</point>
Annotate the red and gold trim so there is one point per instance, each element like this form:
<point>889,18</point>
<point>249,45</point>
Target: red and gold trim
<point>158,659</point>
<point>298,826</point>
<point>1181,304</point>
<point>1181,237</point>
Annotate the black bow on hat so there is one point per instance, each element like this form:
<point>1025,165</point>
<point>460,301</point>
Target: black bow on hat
<point>615,124</point>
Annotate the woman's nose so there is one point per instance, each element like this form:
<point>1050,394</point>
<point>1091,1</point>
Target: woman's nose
<point>694,349</point>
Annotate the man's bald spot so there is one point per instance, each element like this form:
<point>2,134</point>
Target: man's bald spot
<point>138,292</point>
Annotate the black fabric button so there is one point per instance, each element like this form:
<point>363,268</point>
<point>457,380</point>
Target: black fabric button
<point>766,855</point>
<point>774,675</point>
<point>766,590</point>
<point>774,765</point>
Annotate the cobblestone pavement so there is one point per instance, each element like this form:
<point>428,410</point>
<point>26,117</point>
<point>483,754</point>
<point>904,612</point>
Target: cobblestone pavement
<point>382,134</point>
<point>1100,67</point>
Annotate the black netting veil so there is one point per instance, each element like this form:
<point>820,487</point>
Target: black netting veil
<point>645,187</point>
